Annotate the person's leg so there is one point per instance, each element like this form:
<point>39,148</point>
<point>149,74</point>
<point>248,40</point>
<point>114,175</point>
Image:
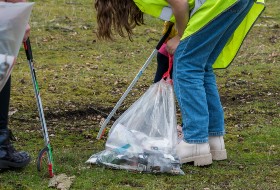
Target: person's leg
<point>214,105</point>
<point>216,129</point>
<point>188,76</point>
<point>4,102</point>
<point>9,157</point>
<point>215,109</point>
<point>190,71</point>
<point>216,114</point>
<point>4,111</point>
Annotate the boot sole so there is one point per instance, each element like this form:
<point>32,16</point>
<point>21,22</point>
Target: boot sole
<point>219,154</point>
<point>202,160</point>
<point>6,164</point>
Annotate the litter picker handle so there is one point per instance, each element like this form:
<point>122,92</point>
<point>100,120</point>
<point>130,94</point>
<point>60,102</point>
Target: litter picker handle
<point>165,36</point>
<point>162,40</point>
<point>28,50</point>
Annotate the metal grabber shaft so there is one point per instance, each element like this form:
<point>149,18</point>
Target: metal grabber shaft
<point>29,56</point>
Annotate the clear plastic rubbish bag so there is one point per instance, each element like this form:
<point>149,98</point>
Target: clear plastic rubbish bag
<point>13,20</point>
<point>144,137</point>
<point>6,64</point>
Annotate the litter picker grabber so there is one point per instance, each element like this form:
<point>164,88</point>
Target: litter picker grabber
<point>148,61</point>
<point>47,150</point>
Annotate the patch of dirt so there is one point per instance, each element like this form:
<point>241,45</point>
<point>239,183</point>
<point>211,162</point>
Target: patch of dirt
<point>241,98</point>
<point>81,112</point>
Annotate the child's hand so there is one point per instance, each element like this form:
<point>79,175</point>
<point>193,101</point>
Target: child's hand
<point>172,44</point>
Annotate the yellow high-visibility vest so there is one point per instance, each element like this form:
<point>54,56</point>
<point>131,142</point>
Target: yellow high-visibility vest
<point>205,13</point>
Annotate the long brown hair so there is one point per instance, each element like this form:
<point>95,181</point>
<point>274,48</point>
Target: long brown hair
<point>118,15</point>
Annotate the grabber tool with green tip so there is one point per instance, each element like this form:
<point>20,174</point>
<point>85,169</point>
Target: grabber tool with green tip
<point>45,155</point>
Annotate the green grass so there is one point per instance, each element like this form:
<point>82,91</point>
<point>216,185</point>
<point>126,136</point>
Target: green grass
<point>81,78</point>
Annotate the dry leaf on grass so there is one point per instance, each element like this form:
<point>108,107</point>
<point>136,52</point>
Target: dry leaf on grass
<point>61,181</point>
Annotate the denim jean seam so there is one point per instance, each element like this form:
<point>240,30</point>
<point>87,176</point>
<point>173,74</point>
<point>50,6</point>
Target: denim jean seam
<point>175,75</point>
<point>221,133</point>
<point>196,141</point>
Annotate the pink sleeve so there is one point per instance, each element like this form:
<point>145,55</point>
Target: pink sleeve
<point>162,50</point>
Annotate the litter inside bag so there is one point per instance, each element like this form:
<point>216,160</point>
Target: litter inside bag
<point>143,139</point>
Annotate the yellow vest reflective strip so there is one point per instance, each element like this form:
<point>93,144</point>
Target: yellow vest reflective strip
<point>154,8</point>
<point>231,48</point>
<point>197,5</point>
<point>158,8</point>
<point>166,13</point>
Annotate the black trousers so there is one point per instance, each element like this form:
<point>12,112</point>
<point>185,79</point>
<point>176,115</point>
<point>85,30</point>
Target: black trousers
<point>162,67</point>
<point>4,104</point>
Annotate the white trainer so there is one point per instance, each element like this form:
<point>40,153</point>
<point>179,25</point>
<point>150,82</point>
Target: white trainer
<point>217,147</point>
<point>197,153</point>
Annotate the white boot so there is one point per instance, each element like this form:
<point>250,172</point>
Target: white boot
<point>197,153</point>
<point>217,147</point>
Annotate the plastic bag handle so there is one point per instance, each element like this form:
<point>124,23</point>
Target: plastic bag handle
<point>170,64</point>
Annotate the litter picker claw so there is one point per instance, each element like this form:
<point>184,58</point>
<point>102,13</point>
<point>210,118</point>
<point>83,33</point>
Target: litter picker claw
<point>46,152</point>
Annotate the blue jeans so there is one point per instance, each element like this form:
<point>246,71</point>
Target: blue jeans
<point>194,80</point>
